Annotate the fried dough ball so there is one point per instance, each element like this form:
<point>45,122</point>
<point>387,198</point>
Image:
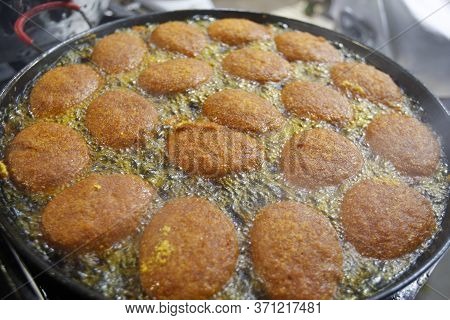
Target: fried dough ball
<point>46,156</point>
<point>211,150</point>
<point>119,52</point>
<point>408,143</point>
<point>257,65</point>
<point>96,212</point>
<point>386,219</point>
<point>179,37</point>
<point>298,45</point>
<point>318,158</point>
<point>316,101</point>
<point>188,251</point>
<point>175,76</point>
<point>295,251</point>
<point>367,82</point>
<point>121,118</point>
<point>237,31</point>
<point>61,88</point>
<point>242,110</point>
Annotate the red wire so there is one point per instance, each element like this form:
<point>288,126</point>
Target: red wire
<point>20,22</point>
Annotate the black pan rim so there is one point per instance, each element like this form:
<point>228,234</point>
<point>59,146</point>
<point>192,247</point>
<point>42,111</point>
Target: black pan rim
<point>31,254</point>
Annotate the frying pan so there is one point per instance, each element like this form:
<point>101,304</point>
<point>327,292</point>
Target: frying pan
<point>434,114</point>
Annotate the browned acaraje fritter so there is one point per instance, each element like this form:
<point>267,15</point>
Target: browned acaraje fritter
<point>295,251</point>
<point>409,144</point>
<point>46,156</point>
<point>189,250</point>
<point>119,52</point>
<point>212,150</point>
<point>175,75</point>
<point>180,37</point>
<point>316,101</point>
<point>386,219</point>
<point>61,88</point>
<point>121,118</point>
<point>242,110</point>
<point>297,45</point>
<point>319,158</point>
<point>257,65</point>
<point>366,81</point>
<point>96,212</point>
<point>234,31</point>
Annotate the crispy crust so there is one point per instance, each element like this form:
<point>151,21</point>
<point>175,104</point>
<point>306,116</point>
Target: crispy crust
<point>316,101</point>
<point>179,37</point>
<point>61,88</point>
<point>237,31</point>
<point>242,110</point>
<point>318,158</point>
<point>119,52</point>
<point>188,251</point>
<point>409,144</point>
<point>121,118</point>
<point>386,220</point>
<point>96,212</point>
<point>211,150</point>
<point>46,156</point>
<point>175,76</point>
<point>367,82</point>
<point>297,45</point>
<point>296,252</point>
<point>257,65</point>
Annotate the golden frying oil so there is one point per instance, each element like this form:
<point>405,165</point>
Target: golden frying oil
<point>115,273</point>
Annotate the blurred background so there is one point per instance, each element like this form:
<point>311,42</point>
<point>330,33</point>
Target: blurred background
<point>414,33</point>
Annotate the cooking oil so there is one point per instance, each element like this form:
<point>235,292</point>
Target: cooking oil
<point>115,272</point>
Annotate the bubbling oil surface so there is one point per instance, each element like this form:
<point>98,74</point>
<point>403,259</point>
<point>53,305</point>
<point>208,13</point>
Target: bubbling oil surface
<point>115,273</point>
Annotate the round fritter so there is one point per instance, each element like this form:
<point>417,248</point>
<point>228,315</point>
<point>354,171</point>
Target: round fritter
<point>120,118</point>
<point>212,150</point>
<point>242,110</point>
<point>119,52</point>
<point>61,88</point>
<point>409,144</point>
<point>237,31</point>
<point>316,101</point>
<point>367,82</point>
<point>297,45</point>
<point>179,37</point>
<point>257,65</point>
<point>46,156</point>
<point>295,251</point>
<point>189,250</point>
<point>386,219</point>
<point>175,75</point>
<point>96,212</point>
<point>318,158</point>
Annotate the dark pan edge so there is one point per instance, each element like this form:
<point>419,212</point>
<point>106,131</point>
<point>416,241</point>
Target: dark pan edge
<point>439,120</point>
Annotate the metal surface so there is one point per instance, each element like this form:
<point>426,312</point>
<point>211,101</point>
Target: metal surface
<point>46,29</point>
<point>434,114</point>
<point>15,280</point>
<point>19,25</point>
